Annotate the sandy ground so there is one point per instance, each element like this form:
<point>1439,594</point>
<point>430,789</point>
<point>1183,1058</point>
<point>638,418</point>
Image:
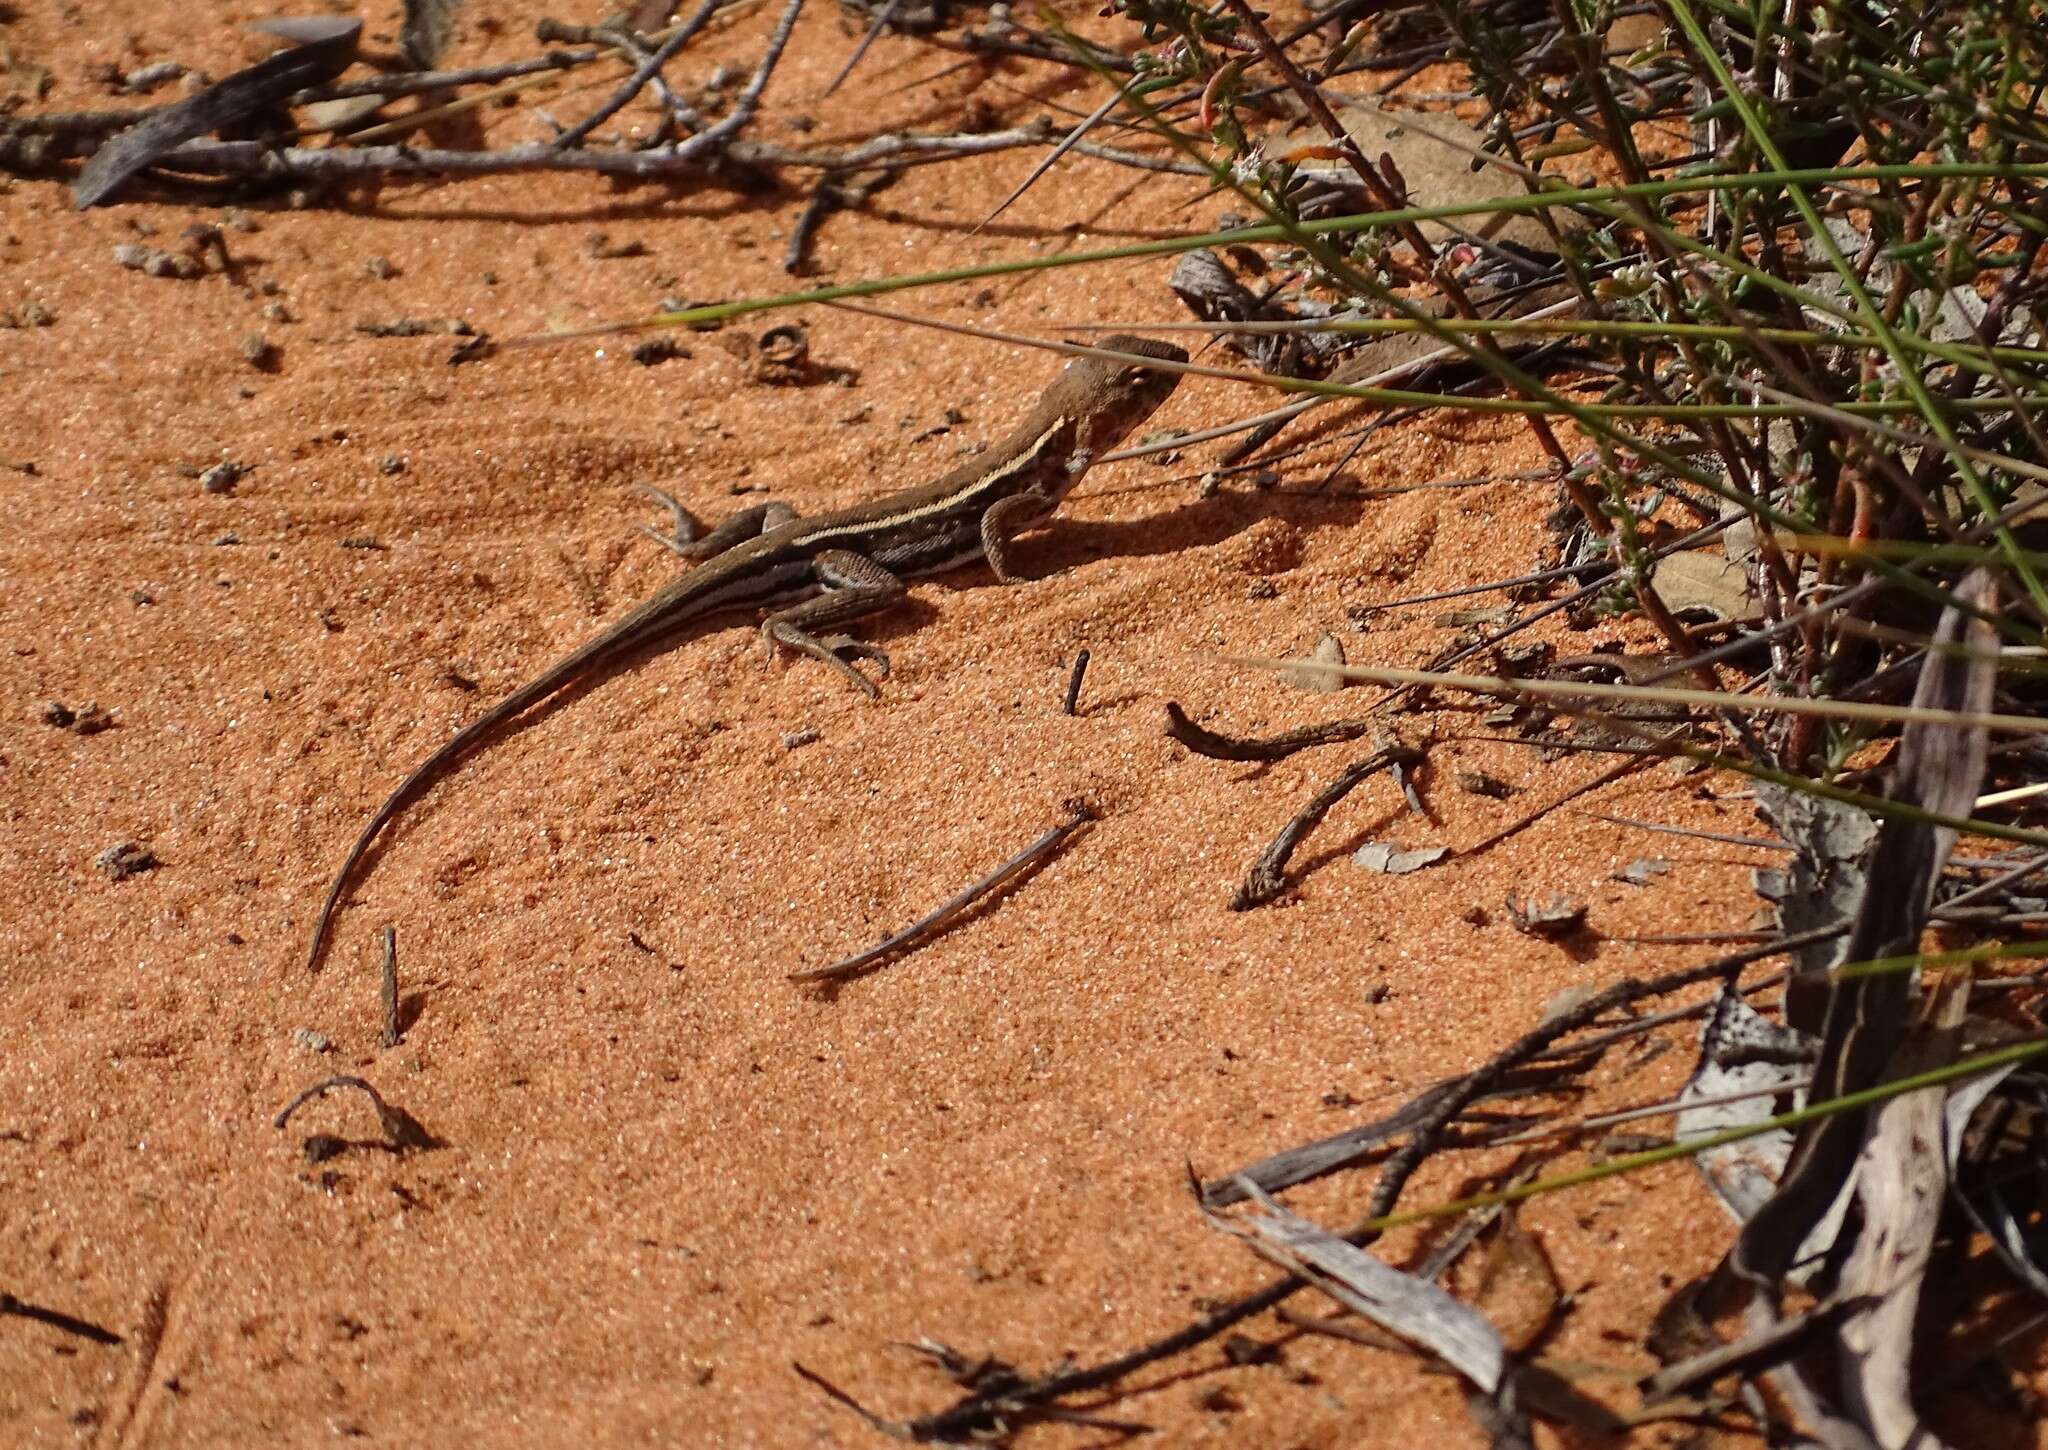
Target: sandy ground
<point>667,1172</point>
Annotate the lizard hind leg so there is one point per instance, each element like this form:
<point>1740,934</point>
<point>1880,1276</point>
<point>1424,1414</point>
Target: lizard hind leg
<point>854,587</point>
<point>682,539</point>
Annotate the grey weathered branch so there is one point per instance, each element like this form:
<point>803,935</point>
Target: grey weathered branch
<point>260,160</point>
<point>649,69</point>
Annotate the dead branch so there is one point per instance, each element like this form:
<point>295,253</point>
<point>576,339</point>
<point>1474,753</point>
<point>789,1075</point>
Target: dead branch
<point>979,1412</point>
<point>259,161</point>
<point>1267,878</point>
<point>648,69</point>
<point>1270,747</point>
<point>1039,850</point>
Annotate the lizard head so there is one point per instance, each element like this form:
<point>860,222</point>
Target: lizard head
<point>1109,397</point>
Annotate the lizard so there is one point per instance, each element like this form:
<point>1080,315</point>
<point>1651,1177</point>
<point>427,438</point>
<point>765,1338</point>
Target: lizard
<point>824,572</point>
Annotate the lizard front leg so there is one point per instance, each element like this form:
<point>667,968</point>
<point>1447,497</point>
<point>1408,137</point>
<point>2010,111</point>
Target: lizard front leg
<point>1001,522</point>
<point>682,540</point>
<point>855,586</point>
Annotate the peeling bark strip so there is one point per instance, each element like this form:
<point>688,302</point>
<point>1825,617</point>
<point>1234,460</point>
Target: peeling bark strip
<point>1902,1183</point>
<point>1940,769</point>
<point>322,49</point>
<point>1408,1306</point>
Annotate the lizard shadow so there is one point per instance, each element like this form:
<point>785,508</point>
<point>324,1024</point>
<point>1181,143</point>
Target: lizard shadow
<point>1192,524</point>
<point>905,617</point>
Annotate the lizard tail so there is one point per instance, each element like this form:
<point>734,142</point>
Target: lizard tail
<point>630,634</point>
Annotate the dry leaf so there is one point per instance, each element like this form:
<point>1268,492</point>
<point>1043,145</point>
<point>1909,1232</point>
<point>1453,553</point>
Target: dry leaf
<point>1391,860</point>
<point>1642,871</point>
<point>1436,156</point>
<point>1701,583</point>
<point>1552,917</point>
<point>1329,650</point>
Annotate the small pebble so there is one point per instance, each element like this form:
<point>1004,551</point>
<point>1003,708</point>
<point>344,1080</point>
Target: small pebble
<point>604,249</point>
<point>204,241</point>
<point>658,350</point>
<point>87,720</point>
<point>126,858</point>
<point>1241,1349</point>
<point>1392,860</point>
<point>222,477</point>
<point>1552,917</point>
<point>1642,871</point>
<point>1478,782</point>
<point>312,1041</point>
<point>154,262</point>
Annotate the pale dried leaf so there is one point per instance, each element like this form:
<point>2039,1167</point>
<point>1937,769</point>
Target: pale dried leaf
<point>1392,860</point>
<point>340,115</point>
<point>1741,1051</point>
<point>322,49</point>
<point>1515,1285</point>
<point>1703,584</point>
<point>1329,650</point>
<point>1413,1309</point>
<point>1441,169</point>
<point>1642,871</point>
<point>1552,917</point>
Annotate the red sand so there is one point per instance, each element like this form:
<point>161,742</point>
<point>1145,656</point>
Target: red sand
<point>669,1172</point>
